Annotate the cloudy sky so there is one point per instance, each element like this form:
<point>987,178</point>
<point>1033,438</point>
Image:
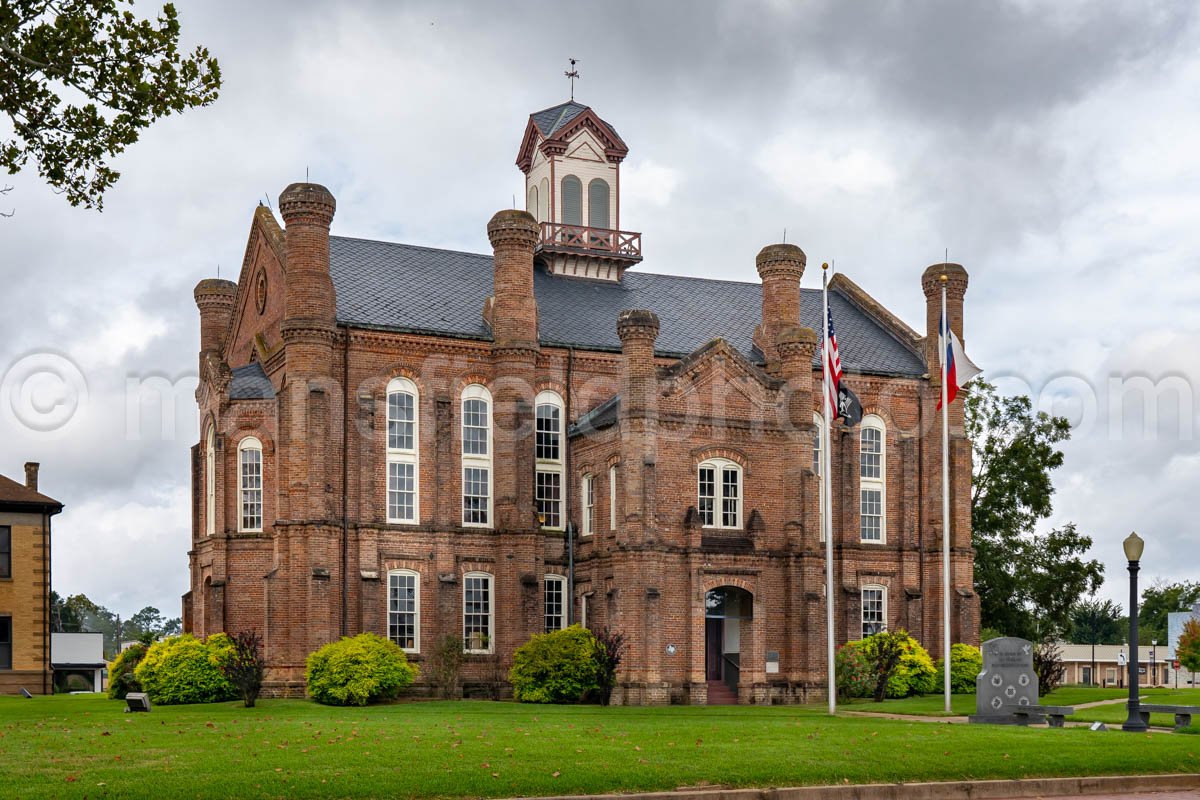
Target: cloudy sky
<point>1049,146</point>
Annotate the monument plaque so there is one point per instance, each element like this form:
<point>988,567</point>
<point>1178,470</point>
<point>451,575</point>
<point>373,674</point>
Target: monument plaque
<point>1007,679</point>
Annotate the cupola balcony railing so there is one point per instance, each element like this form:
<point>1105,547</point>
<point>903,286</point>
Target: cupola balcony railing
<point>624,244</point>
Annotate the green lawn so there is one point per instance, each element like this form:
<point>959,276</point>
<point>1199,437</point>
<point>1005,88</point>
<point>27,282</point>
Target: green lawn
<point>1118,712</point>
<point>77,746</point>
<point>964,704</point>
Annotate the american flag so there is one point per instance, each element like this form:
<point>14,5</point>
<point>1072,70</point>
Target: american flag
<point>834,363</point>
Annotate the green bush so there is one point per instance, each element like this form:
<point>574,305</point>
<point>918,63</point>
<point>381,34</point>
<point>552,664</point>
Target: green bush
<point>121,680</point>
<point>915,672</point>
<point>557,667</point>
<point>965,663</point>
<point>358,670</point>
<point>182,669</point>
<point>852,671</point>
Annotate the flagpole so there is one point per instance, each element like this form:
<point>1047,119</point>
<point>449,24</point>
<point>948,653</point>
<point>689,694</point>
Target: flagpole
<point>827,509</point>
<point>943,345</point>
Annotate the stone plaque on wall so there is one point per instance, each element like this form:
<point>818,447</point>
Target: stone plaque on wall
<point>1007,679</point>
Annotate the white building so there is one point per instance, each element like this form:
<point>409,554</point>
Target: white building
<point>78,654</point>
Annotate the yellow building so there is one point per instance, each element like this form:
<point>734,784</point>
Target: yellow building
<point>25,584</point>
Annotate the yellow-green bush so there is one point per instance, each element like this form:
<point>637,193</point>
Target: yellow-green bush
<point>915,674</point>
<point>182,669</point>
<point>358,670</point>
<point>557,667</point>
<point>965,664</point>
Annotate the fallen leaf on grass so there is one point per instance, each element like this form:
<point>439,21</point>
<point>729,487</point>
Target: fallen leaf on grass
<point>71,779</point>
<point>556,773</point>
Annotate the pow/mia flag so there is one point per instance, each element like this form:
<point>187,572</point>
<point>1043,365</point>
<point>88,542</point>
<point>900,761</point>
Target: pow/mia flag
<point>848,406</point>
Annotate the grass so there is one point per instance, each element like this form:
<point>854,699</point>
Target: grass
<point>933,705</point>
<point>83,746</point>
<point>1118,712</point>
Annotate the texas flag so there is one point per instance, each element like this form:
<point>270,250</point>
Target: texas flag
<point>959,369</point>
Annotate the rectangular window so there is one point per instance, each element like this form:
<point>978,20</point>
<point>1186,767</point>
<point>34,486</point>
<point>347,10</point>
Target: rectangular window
<point>612,499</point>
<point>400,421</point>
<point>548,495</point>
<point>555,617</point>
<point>871,509</point>
<point>870,454</point>
<point>477,613</point>
<point>5,551</point>
<point>6,640</point>
<point>872,611</point>
<point>402,492</point>
<point>475,428</point>
<point>589,504</point>
<point>251,489</point>
<point>547,440</point>
<point>583,610</point>
<point>403,612</point>
<point>729,498</point>
<point>708,495</point>
<point>475,496</point>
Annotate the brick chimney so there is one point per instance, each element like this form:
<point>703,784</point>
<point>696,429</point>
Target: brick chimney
<point>956,289</point>
<point>215,299</point>
<point>796,345</point>
<point>512,312</point>
<point>639,423</point>
<point>310,314</point>
<point>31,475</point>
<point>780,267</point>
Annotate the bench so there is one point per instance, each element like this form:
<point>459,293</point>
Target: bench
<point>1053,715</point>
<point>1183,714</point>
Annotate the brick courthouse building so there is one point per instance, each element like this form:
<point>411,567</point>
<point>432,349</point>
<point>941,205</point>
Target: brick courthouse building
<point>400,439</point>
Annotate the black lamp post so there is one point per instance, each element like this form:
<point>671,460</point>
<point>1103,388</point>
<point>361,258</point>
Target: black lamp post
<point>1133,551</point>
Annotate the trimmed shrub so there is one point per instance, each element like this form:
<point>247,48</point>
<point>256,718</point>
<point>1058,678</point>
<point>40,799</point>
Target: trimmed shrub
<point>557,667</point>
<point>243,666</point>
<point>608,659</point>
<point>914,673</point>
<point>358,670</point>
<point>182,669</point>
<point>121,680</point>
<point>852,671</point>
<point>965,664</point>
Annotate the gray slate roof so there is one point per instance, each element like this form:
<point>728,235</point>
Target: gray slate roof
<point>550,120</point>
<point>250,383</point>
<point>422,290</point>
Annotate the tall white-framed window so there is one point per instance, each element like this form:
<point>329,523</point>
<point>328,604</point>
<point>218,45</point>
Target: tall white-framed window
<point>818,469</point>
<point>583,609</point>
<point>554,603</point>
<point>587,492</point>
<point>403,451</point>
<point>612,499</point>
<point>719,493</point>
<point>404,609</point>
<point>874,609</point>
<point>872,477</point>
<point>250,475</point>
<point>210,481</point>
<point>477,456</point>
<point>548,447</point>
<point>478,634</point>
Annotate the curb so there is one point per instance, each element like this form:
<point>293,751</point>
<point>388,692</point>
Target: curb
<point>940,790</point>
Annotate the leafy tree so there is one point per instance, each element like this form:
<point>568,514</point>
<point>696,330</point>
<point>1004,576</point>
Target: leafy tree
<point>1096,622</point>
<point>1188,649</point>
<point>883,652</point>
<point>1160,599</point>
<point>146,623</point>
<point>243,666</point>
<point>1048,665</point>
<point>1027,581</point>
<point>81,79</point>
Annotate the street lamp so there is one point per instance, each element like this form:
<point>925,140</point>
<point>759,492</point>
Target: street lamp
<point>1133,552</point>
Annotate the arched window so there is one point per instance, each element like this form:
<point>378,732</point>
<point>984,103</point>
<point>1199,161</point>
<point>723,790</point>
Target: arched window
<point>210,481</point>
<point>548,446</point>
<point>544,200</point>
<point>872,475</point>
<point>818,469</point>
<point>719,490</point>
<point>572,201</point>
<point>477,456</point>
<point>874,609</point>
<point>250,471</point>
<point>531,204</point>
<point>598,203</point>
<point>403,444</point>
<point>554,606</point>
<point>587,492</point>
<point>477,613</point>
<point>612,499</point>
<point>404,609</point>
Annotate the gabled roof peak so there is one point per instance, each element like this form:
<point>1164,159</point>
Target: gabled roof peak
<point>551,119</point>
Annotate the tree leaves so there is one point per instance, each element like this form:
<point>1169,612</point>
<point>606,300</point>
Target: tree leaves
<point>80,80</point>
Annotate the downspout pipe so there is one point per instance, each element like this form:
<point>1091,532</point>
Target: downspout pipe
<point>568,494</point>
<point>345,479</point>
<point>46,594</point>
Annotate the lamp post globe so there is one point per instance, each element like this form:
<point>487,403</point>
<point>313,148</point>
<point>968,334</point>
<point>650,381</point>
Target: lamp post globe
<point>1133,545</point>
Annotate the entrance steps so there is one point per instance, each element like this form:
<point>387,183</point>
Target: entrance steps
<point>721,695</point>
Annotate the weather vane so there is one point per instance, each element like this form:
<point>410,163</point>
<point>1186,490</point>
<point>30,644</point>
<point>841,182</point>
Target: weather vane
<point>572,73</point>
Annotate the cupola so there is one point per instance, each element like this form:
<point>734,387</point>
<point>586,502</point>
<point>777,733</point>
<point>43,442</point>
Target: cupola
<point>572,164</point>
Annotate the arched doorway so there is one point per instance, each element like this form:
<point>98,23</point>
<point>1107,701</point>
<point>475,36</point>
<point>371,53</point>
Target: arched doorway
<point>728,612</point>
